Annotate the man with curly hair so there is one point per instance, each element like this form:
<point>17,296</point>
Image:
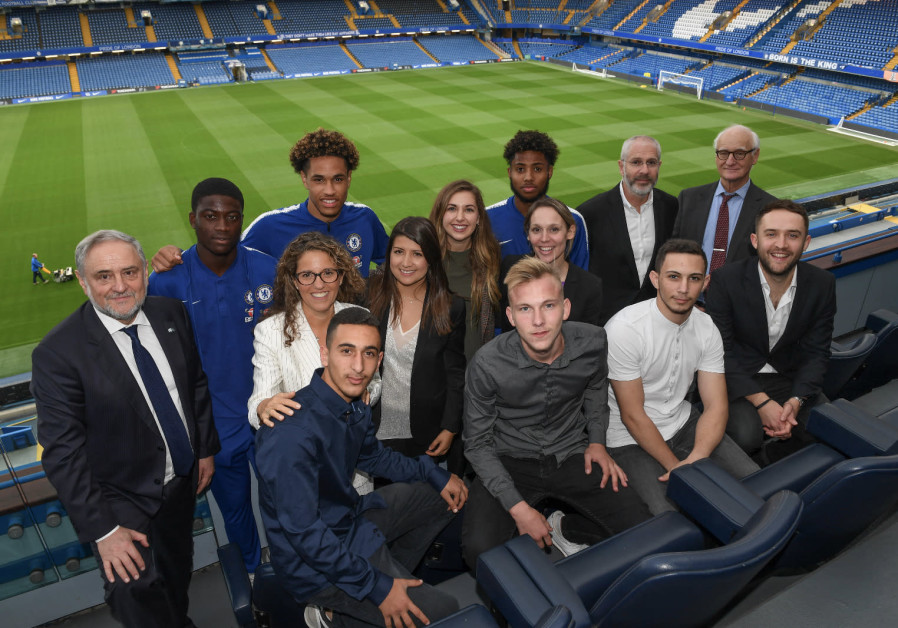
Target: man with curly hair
<point>324,160</point>
<point>531,157</point>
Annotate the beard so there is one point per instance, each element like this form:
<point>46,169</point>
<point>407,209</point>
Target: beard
<point>532,197</point>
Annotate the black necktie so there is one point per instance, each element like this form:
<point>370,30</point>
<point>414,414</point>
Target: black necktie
<point>169,419</point>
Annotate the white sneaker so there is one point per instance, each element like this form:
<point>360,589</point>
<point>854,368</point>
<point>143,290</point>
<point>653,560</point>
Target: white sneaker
<point>314,617</point>
<point>564,546</point>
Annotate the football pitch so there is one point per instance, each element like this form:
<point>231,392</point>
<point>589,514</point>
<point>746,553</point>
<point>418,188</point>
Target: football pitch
<point>129,162</point>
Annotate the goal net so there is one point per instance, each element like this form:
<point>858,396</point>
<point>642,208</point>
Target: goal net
<point>680,80</point>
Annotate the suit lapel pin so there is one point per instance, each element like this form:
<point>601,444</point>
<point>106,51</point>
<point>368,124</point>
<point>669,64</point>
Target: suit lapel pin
<point>171,330</point>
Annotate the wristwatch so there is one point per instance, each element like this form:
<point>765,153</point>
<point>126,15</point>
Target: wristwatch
<point>800,400</point>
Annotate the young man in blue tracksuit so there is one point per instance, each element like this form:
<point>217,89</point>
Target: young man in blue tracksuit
<point>225,287</point>
<point>531,157</point>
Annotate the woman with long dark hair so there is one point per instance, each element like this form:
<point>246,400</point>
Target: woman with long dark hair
<point>423,330</point>
<point>470,256</point>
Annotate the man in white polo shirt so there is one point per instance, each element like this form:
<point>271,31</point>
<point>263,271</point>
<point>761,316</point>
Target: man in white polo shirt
<point>655,349</point>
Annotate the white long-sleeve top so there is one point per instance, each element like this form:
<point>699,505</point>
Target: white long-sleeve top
<point>279,368</point>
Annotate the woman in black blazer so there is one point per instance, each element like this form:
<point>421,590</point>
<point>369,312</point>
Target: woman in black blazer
<point>550,229</point>
<point>423,337</point>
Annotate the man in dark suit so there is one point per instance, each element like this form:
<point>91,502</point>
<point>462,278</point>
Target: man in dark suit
<point>776,319</point>
<point>125,420</point>
<point>721,215</point>
<point>626,226</point>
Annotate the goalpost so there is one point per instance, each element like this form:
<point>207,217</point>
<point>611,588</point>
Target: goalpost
<point>695,82</point>
<point>585,70</point>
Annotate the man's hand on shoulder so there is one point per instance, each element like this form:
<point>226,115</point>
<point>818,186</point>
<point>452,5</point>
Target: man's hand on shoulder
<point>455,493</point>
<point>166,258</point>
<point>119,556</point>
<point>532,523</point>
<point>206,467</point>
<point>398,607</point>
<point>597,454</point>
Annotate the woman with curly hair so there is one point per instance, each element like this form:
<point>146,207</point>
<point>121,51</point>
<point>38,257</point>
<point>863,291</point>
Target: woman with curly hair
<point>470,257</point>
<point>423,329</point>
<point>315,278</point>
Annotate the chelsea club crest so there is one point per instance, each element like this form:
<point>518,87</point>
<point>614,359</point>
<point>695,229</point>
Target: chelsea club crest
<point>353,242</point>
<point>264,293</point>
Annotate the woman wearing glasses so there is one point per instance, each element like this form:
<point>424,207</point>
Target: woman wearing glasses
<point>423,327</point>
<point>315,278</point>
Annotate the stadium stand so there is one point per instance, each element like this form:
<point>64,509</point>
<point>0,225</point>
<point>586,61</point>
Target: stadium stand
<point>123,71</point>
<point>748,85</point>
<point>29,39</point>
<point>449,48</point>
<point>397,51</point>
<point>718,75</point>
<point>205,68</point>
<point>652,63</point>
<point>110,26</point>
<point>746,22</point>
<point>410,13</point>
<point>60,28</point>
<point>172,22</point>
<point>537,48</point>
<point>232,19</point>
<point>885,118</point>
<point>42,79</point>
<point>308,58</point>
<point>310,17</point>
<point>779,36</point>
<point>872,23</point>
<point>815,97</point>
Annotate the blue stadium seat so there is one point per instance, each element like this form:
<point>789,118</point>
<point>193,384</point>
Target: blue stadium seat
<point>655,574</point>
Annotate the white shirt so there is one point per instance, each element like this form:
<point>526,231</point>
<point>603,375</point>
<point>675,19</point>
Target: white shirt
<point>641,228</point>
<point>778,316</point>
<point>151,344</point>
<point>642,343</point>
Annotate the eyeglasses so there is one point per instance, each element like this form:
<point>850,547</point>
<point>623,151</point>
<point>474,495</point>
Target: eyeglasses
<point>738,155</point>
<point>328,275</point>
<point>639,163</point>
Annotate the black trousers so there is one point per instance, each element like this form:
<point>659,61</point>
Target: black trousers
<point>158,599</point>
<point>594,513</point>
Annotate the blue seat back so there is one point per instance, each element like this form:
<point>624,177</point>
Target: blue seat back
<point>691,588</point>
<point>844,362</point>
<point>271,598</point>
<point>839,505</point>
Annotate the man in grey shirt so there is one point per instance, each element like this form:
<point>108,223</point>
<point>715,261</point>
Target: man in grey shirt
<point>536,411</point>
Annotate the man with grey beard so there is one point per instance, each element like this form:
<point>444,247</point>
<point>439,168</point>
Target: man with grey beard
<point>125,420</point>
<point>626,226</point>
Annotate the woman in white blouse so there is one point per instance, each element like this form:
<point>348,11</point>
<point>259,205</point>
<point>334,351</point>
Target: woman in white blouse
<point>315,278</point>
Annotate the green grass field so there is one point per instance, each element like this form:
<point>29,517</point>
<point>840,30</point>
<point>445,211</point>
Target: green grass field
<point>130,162</point>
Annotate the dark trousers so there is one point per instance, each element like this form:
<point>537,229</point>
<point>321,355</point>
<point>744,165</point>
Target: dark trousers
<point>643,471</point>
<point>744,424</point>
<point>232,488</point>
<point>594,513</point>
<point>36,275</point>
<point>414,516</point>
<point>158,599</point>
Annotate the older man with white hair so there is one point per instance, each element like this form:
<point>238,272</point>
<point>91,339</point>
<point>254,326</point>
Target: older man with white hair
<point>721,215</point>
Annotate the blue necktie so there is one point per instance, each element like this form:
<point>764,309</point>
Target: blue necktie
<point>172,426</point>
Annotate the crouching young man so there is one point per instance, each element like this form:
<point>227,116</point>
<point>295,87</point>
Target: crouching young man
<point>333,549</point>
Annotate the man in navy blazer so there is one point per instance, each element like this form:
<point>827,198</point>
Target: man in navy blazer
<point>736,151</point>
<point>123,468</point>
<point>776,319</point>
<point>626,226</point>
